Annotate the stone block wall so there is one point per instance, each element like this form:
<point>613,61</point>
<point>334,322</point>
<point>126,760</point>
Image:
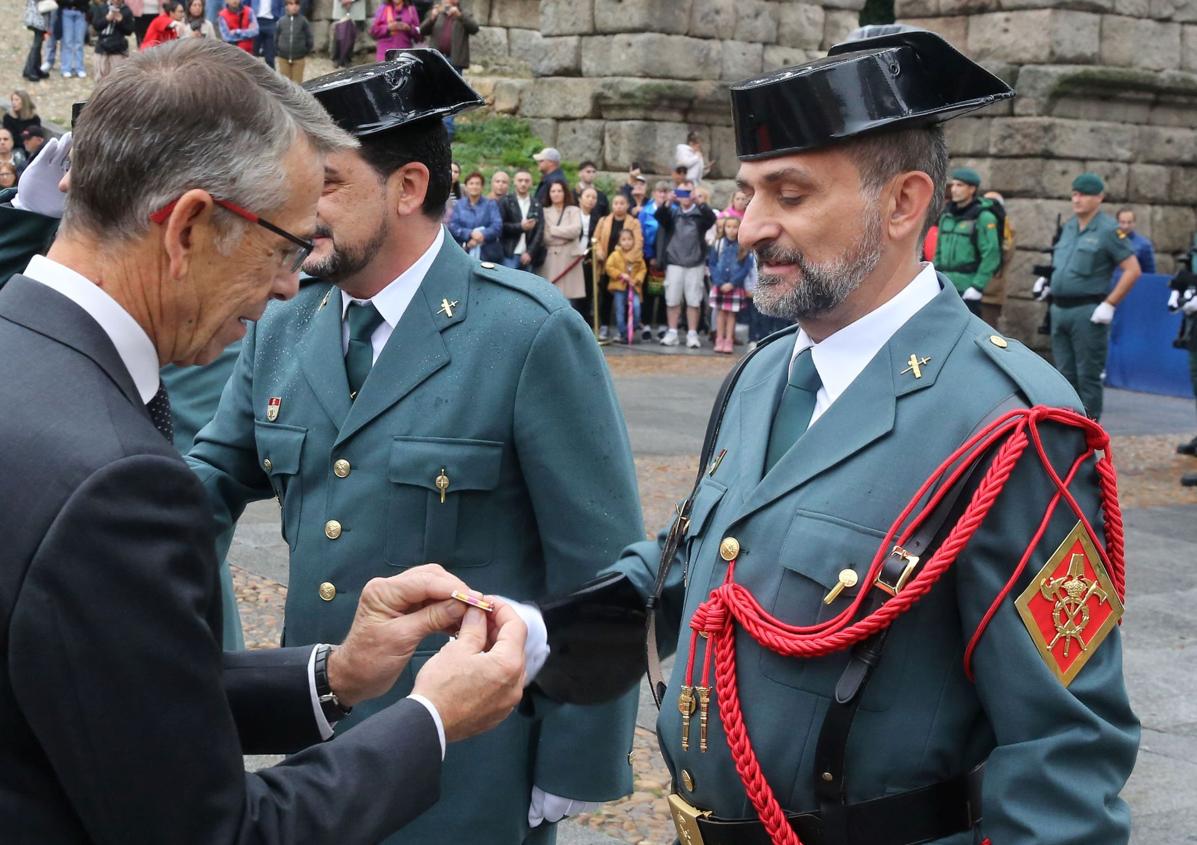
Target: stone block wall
<point>618,81</point>
<point>1102,86</point>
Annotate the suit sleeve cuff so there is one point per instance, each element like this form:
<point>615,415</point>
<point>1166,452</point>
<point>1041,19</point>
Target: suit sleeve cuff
<point>436,718</point>
<point>322,725</point>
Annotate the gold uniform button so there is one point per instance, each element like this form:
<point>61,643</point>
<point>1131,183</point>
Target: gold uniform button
<point>266,465</point>
<point>729,549</point>
<point>332,529</point>
<point>487,265</point>
<point>327,591</point>
<point>687,780</point>
<point>999,342</point>
<point>341,468</point>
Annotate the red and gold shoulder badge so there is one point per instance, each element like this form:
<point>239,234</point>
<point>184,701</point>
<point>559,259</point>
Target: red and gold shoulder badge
<point>1071,605</point>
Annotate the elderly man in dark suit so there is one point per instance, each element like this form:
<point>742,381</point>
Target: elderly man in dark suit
<point>120,719</point>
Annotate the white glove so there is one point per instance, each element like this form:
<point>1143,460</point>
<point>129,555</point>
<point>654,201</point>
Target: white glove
<point>1042,289</point>
<point>536,646</point>
<point>1103,314</point>
<point>1190,307</point>
<point>38,189</point>
<point>971,295</point>
<point>553,808</point>
<point>1174,300</point>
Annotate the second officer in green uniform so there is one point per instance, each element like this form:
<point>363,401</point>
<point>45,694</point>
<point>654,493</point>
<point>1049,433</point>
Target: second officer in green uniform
<point>1089,249</point>
<point>969,246</point>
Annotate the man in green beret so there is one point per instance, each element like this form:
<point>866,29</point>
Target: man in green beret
<point>1089,249</point>
<point>969,248</point>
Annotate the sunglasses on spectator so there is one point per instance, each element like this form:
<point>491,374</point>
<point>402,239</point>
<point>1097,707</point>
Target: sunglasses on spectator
<point>293,257</point>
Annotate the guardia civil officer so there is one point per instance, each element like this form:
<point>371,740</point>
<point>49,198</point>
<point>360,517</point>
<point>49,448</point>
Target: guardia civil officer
<point>414,405</point>
<point>968,249</point>
<point>970,718</point>
<point>1090,248</point>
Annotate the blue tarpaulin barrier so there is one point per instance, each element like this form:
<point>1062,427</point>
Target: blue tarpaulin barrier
<point>1141,353</point>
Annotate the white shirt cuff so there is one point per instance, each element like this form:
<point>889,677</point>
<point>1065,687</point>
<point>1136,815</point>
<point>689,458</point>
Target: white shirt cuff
<point>326,730</point>
<point>436,717</point>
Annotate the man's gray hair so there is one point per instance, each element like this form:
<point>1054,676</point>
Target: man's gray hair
<point>881,156</point>
<point>189,114</point>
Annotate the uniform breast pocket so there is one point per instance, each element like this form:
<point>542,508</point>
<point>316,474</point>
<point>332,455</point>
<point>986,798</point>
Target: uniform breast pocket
<point>1084,260</point>
<point>433,480</point>
<point>816,549</point>
<point>706,500</point>
<point>280,448</point>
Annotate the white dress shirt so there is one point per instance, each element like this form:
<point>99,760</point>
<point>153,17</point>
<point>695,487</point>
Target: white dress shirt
<point>525,204</point>
<point>133,345</point>
<point>841,357</point>
<point>392,301</point>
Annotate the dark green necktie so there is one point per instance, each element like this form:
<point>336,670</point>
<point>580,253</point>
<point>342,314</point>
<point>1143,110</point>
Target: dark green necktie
<point>363,319</point>
<point>795,409</point>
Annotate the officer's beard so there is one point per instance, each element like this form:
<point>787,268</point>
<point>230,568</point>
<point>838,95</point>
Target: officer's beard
<point>820,287</point>
<point>344,261</point>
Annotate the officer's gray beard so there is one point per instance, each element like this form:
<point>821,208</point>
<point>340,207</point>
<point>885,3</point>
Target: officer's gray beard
<point>820,287</point>
<point>344,262</point>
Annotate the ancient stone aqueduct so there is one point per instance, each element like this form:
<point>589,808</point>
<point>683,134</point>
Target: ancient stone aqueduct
<point>1103,86</point>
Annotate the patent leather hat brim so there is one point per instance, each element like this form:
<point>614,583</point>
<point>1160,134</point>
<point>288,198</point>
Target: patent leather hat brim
<point>878,84</point>
<point>411,85</point>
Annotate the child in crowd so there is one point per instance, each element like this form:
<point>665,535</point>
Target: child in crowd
<point>729,266</point>
<point>625,280</point>
<point>293,43</point>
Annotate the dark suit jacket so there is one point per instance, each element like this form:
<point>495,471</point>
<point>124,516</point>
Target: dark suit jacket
<point>120,718</point>
<point>513,218</point>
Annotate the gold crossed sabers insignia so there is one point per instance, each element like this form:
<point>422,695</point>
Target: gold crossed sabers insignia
<point>447,307</point>
<point>914,365</point>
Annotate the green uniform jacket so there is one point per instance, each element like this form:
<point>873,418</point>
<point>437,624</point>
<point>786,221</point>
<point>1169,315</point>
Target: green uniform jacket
<point>1084,262</point>
<point>23,234</point>
<point>510,398</point>
<point>968,252</point>
<point>1056,757</point>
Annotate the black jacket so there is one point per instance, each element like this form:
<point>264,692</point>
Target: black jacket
<point>122,719</point>
<point>113,35</point>
<point>509,211</point>
<point>293,38</point>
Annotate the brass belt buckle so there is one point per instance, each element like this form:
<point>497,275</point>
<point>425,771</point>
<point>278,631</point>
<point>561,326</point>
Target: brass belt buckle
<point>911,562</point>
<point>685,819</point>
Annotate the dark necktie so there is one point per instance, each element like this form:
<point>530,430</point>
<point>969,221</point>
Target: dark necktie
<point>363,319</point>
<point>795,409</point>
<point>159,410</point>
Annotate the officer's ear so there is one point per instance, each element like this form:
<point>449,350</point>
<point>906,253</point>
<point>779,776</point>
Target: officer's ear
<point>407,187</point>
<point>905,204</point>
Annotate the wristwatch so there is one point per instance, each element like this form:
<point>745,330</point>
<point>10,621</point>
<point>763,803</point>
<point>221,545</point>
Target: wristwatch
<point>331,706</point>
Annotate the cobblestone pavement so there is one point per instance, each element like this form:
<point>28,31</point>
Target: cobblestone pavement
<point>665,465</point>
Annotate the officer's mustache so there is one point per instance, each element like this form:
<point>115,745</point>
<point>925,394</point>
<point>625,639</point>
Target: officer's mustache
<point>772,253</point>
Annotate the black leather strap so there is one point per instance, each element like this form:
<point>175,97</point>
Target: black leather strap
<point>908,818</point>
<point>656,681</point>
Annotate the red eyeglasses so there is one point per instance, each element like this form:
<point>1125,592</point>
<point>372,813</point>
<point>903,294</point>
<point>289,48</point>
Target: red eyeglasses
<point>296,255</point>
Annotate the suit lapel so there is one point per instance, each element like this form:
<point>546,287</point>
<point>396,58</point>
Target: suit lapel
<point>755,409</point>
<point>416,348</point>
<point>866,411</point>
<point>47,312</point>
<point>322,359</point>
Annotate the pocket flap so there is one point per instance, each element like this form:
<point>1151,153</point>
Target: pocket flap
<point>820,546</point>
<point>708,496</point>
<point>282,445</point>
<point>468,464</point>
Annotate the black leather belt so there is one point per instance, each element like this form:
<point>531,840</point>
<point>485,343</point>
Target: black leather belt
<point>920,815</point>
<point>1074,301</point>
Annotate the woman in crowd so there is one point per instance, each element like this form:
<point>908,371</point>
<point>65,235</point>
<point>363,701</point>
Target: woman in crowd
<point>37,23</point>
<point>396,26</point>
<point>10,153</point>
<point>168,26</point>
<point>563,260</point>
<point>475,222</point>
<point>198,25</point>
<point>21,115</point>
<point>729,266</point>
<point>8,176</point>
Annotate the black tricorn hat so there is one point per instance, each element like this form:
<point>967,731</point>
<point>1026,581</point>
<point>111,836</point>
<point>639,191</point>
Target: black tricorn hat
<point>411,85</point>
<point>891,82</point>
